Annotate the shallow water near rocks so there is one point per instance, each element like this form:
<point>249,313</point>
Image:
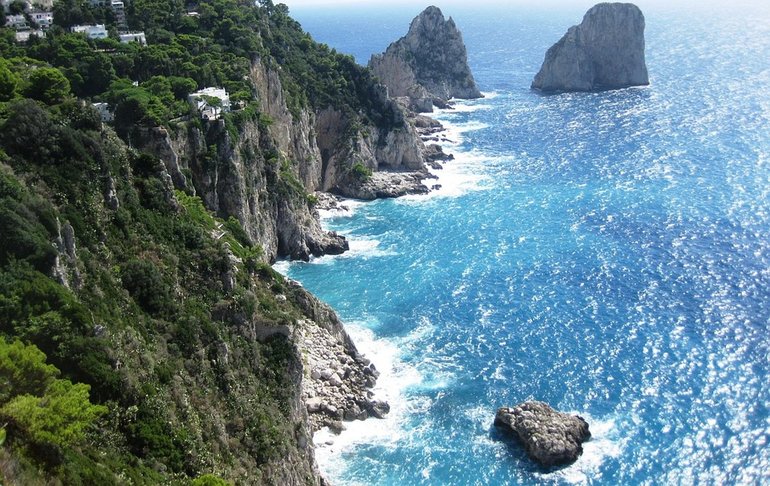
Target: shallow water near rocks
<point>607,253</point>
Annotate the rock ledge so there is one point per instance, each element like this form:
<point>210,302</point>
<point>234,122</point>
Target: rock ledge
<point>550,438</point>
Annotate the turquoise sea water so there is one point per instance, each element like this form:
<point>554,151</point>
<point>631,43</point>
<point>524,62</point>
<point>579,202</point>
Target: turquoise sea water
<point>607,253</point>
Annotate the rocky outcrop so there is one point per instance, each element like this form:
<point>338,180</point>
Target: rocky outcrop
<point>65,269</point>
<point>606,51</point>
<point>386,184</point>
<point>429,65</point>
<point>337,382</point>
<point>371,148</point>
<point>550,438</point>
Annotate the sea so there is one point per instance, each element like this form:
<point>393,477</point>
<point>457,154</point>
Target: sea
<point>607,253</point>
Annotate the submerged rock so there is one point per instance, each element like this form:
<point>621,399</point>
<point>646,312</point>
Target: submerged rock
<point>606,51</point>
<point>550,438</point>
<point>429,65</point>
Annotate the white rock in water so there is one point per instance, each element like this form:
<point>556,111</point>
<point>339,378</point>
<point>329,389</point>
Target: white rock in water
<point>314,405</point>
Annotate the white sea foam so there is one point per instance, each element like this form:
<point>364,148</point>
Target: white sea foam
<point>360,247</point>
<point>345,209</point>
<point>282,266</point>
<point>452,136</point>
<point>466,108</point>
<point>395,378</point>
<point>605,444</point>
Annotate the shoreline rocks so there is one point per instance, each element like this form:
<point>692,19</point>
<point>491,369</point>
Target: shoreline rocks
<point>429,65</point>
<point>386,184</point>
<point>391,183</point>
<point>604,52</point>
<point>550,438</point>
<point>337,380</point>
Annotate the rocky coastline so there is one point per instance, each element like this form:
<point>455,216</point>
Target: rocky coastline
<point>338,380</point>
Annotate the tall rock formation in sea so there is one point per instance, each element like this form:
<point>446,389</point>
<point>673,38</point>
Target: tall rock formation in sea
<point>606,51</point>
<point>429,65</point>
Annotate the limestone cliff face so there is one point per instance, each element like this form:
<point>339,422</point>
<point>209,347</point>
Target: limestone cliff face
<point>248,179</point>
<point>429,65</point>
<point>376,149</point>
<point>606,51</point>
<point>261,171</point>
<point>295,137</point>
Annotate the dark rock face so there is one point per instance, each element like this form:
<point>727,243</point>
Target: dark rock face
<point>429,65</point>
<point>550,438</point>
<point>606,51</point>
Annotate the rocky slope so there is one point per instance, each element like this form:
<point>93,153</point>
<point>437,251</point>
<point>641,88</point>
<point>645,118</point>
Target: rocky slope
<point>429,65</point>
<point>606,51</point>
<point>207,359</point>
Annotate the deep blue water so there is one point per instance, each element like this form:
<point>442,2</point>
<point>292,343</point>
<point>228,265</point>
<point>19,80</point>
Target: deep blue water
<point>607,253</point>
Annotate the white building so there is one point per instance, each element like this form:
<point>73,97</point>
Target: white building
<point>204,102</point>
<point>128,37</point>
<point>43,19</point>
<point>97,31</point>
<point>18,22</point>
<point>24,35</point>
<point>104,112</point>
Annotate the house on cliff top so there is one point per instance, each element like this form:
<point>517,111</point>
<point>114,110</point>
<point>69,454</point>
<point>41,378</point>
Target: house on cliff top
<point>211,102</point>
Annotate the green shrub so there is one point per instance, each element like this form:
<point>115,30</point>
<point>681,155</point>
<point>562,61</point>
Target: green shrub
<point>48,85</point>
<point>44,409</point>
<point>59,417</point>
<point>23,370</point>
<point>361,172</point>
<point>144,281</point>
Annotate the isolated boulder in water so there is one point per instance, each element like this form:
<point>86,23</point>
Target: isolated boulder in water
<point>429,65</point>
<point>606,51</point>
<point>550,438</point>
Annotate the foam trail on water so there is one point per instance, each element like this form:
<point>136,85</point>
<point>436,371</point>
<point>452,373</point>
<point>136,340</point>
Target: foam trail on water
<point>346,208</point>
<point>282,267</point>
<point>465,172</point>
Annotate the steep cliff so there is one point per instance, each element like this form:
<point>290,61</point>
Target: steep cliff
<point>203,355</point>
<point>241,173</point>
<point>606,51</point>
<point>429,65</point>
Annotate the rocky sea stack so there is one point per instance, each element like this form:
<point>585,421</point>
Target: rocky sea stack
<point>606,51</point>
<point>550,438</point>
<point>429,65</point>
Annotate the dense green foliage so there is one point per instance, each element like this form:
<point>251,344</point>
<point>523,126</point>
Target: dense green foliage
<point>216,47</point>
